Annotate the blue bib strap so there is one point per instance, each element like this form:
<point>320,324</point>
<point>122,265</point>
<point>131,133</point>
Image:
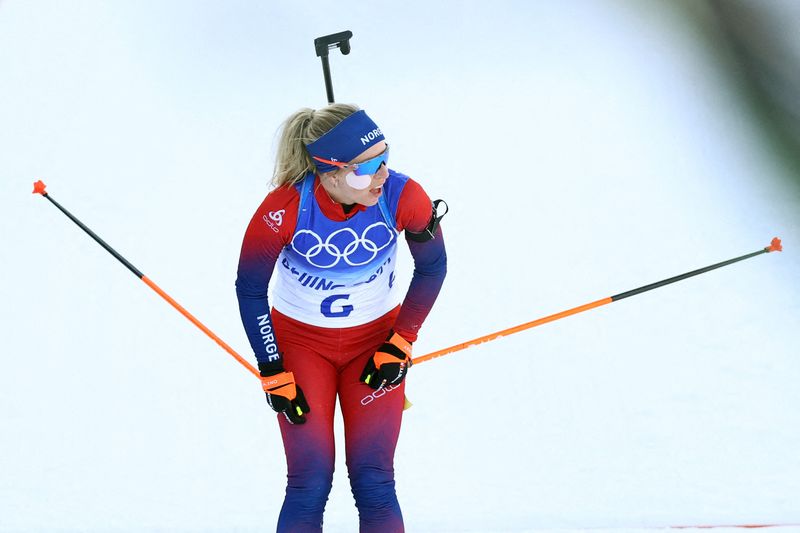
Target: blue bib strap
<point>387,214</point>
<point>305,188</point>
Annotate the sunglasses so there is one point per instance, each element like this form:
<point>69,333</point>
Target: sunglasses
<point>360,174</point>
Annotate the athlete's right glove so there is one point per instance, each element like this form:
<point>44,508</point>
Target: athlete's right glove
<point>284,395</point>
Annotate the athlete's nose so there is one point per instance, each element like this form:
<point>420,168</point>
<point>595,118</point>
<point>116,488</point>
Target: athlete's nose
<point>383,172</point>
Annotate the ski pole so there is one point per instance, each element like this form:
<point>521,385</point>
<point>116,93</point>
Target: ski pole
<point>39,188</point>
<point>326,43</point>
<point>775,246</point>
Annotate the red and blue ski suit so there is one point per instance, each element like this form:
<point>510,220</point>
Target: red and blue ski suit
<point>335,301</point>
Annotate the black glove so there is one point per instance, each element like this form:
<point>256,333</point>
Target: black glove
<point>283,394</point>
<point>390,363</point>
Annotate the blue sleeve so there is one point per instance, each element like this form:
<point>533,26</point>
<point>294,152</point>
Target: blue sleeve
<point>430,269</point>
<point>262,245</point>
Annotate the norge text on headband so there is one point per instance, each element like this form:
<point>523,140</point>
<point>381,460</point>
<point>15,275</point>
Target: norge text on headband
<point>346,140</point>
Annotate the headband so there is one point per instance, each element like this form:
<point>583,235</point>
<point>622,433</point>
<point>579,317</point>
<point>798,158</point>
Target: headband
<point>345,141</point>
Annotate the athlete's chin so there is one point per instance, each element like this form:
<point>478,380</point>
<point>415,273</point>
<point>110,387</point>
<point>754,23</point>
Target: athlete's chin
<point>371,197</point>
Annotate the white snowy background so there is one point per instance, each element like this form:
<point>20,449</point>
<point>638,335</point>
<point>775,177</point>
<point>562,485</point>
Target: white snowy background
<point>585,149</point>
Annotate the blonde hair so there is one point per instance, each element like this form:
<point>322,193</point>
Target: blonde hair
<point>301,128</point>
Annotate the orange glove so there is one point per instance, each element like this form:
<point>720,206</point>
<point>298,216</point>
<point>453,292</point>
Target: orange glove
<point>284,395</point>
<point>390,363</point>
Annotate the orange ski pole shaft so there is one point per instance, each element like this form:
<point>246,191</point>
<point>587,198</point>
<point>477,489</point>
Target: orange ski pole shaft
<point>224,345</point>
<point>775,246</point>
<point>510,331</point>
<point>39,188</point>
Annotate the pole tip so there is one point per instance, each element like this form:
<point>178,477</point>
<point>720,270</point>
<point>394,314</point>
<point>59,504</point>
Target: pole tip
<point>775,246</point>
<point>38,188</point>
<point>406,404</point>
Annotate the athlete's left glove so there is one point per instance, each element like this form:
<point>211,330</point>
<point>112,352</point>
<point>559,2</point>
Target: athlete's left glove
<point>390,363</point>
<point>283,394</point>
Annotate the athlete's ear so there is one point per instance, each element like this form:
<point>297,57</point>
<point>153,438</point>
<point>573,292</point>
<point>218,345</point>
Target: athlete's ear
<point>331,177</point>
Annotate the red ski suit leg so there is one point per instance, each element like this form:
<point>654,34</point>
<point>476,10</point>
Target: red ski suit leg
<point>327,362</point>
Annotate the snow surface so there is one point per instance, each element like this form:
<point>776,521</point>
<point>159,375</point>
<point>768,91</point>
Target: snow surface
<point>585,149</point>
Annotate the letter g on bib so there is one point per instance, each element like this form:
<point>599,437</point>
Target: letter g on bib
<point>327,306</point>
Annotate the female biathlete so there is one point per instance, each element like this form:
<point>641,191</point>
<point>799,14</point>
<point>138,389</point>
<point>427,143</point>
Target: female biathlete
<point>329,232</point>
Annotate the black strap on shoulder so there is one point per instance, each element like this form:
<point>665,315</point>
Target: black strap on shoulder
<point>429,231</point>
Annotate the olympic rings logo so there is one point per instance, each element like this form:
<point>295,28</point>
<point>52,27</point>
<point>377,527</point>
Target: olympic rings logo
<point>344,244</point>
